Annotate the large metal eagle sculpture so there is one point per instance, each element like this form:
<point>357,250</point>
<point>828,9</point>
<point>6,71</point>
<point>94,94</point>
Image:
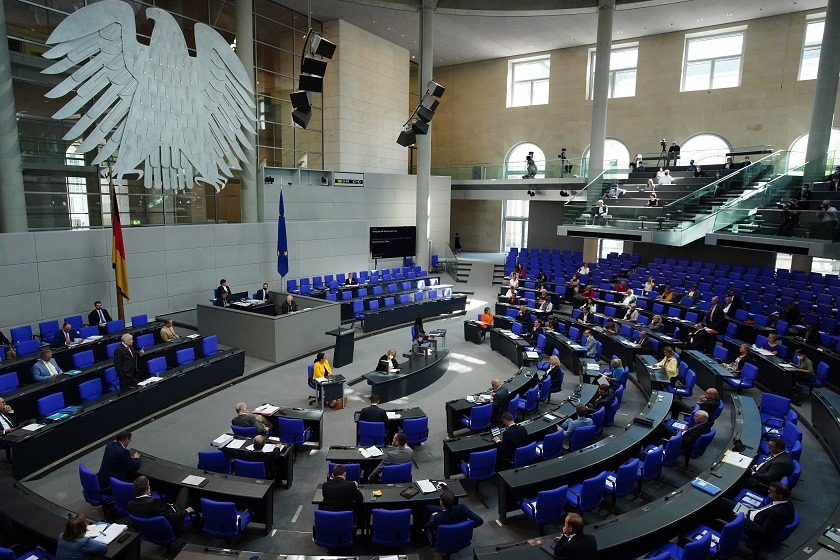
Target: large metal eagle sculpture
<point>183,118</point>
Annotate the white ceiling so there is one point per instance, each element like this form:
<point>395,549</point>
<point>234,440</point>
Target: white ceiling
<point>463,38</point>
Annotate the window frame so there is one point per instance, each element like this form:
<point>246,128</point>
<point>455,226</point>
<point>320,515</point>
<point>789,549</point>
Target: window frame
<point>510,81</point>
<point>813,18</point>
<point>708,35</point>
<point>590,70</point>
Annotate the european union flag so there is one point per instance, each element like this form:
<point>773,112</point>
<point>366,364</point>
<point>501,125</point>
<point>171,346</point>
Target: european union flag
<point>282,240</point>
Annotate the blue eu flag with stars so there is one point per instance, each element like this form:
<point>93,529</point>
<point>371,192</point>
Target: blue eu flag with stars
<point>282,241</point>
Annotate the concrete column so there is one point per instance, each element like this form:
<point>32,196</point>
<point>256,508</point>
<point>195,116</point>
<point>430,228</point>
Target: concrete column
<point>245,52</point>
<point>825,95</point>
<point>801,262</point>
<point>590,250</point>
<point>13,207</point>
<point>424,141</point>
<point>600,88</point>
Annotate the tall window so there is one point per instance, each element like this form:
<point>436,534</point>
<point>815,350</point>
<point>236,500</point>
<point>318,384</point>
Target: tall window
<point>623,62</point>
<point>528,81</point>
<point>713,61</point>
<point>800,146</point>
<point>516,166</point>
<point>516,223</point>
<point>614,151</point>
<point>607,246</point>
<point>811,49</point>
<point>704,149</point>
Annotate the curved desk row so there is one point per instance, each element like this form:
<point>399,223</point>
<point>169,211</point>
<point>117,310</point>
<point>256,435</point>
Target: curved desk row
<point>415,375</point>
<point>24,400</point>
<point>36,518</point>
<point>641,530</point>
<point>709,372</point>
<point>251,493</point>
<point>774,373</point>
<point>571,468</point>
<point>201,552</point>
<point>98,418</point>
<point>384,318</point>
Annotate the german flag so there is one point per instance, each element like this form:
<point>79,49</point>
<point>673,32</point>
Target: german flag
<point>118,249</point>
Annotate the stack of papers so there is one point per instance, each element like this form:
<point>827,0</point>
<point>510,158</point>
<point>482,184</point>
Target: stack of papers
<point>269,447</point>
<point>222,440</point>
<point>735,458</point>
<point>268,409</point>
<point>426,486</point>
<point>235,444</point>
<point>105,532</point>
<point>372,451</point>
<point>149,381</point>
<point>92,338</point>
<point>192,336</point>
<point>33,427</point>
<point>393,415</point>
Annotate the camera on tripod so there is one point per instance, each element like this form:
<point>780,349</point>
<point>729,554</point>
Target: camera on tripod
<point>562,153</point>
<point>664,144</point>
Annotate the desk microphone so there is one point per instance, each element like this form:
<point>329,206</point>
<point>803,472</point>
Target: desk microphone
<point>514,545</point>
<point>673,494</point>
<point>605,523</point>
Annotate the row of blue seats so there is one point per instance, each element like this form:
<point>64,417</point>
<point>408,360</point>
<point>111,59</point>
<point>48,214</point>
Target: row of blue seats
<point>382,289</point>
<point>359,310</point>
<point>306,285</point>
<point>47,329</point>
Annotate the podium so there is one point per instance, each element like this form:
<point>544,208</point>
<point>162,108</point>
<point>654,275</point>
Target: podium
<point>344,346</point>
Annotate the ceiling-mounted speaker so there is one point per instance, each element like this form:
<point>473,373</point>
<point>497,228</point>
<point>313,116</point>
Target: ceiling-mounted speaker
<point>312,65</point>
<point>308,82</point>
<point>407,138</point>
<point>424,114</point>
<point>301,117</point>
<point>322,47</point>
<point>301,99</point>
<point>435,89</point>
<point>420,127</point>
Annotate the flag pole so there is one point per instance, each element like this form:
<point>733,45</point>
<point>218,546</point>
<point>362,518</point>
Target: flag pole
<point>113,193</point>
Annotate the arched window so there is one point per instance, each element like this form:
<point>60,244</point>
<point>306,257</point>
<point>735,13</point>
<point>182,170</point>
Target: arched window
<point>704,148</point>
<point>800,146</point>
<point>614,151</point>
<point>515,166</point>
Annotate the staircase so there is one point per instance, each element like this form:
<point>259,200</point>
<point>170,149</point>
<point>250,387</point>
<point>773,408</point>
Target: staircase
<point>499,275</point>
<point>462,270</point>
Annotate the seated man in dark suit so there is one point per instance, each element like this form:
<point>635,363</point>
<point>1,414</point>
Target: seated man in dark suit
<point>501,400</point>
<point>144,505</point>
<point>258,455</point>
<point>574,544</point>
<point>602,398</point>
<point>222,300</point>
<point>118,462</point>
<point>351,279</point>
<point>263,293</point>
<point>397,455</point>
<point>691,434</point>
<point>708,401</point>
<point>450,512</point>
<point>341,494</point>
<point>7,423</point>
<point>98,316</point>
<point>245,419</point>
<point>773,468</point>
<point>373,413</point>
<point>645,345</point>
<point>67,336</point>
<point>289,306</point>
<point>698,339</point>
<point>763,523</point>
<point>536,330</point>
<point>513,437</point>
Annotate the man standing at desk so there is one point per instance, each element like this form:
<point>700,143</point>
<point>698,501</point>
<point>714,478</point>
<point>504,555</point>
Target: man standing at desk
<point>99,316</point>
<point>118,462</point>
<point>46,366</point>
<point>501,400</point>
<point>715,317</point>
<point>125,361</point>
<point>513,437</point>
<point>289,306</point>
<point>373,413</point>
<point>65,337</point>
<point>397,455</point>
<point>341,494</point>
<point>698,339</point>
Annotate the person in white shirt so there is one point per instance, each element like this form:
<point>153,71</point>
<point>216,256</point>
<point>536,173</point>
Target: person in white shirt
<point>666,178</point>
<point>660,173</point>
<point>46,366</point>
<point>630,298</point>
<point>616,191</point>
<point>584,269</point>
<point>632,313</point>
<point>514,280</point>
<point>546,306</point>
<point>650,285</point>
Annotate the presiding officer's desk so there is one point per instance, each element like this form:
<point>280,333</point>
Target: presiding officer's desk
<point>825,417</point>
<point>415,375</point>
<point>391,499</point>
<point>774,373</point>
<point>642,529</point>
<point>571,468</point>
<point>709,372</point>
<point>33,517</point>
<point>277,338</point>
<point>313,419</point>
<point>458,449</point>
<point>516,384</point>
<point>64,356</point>
<point>98,418</point>
<point>201,552</point>
<point>396,417</point>
<point>24,400</point>
<point>254,494</point>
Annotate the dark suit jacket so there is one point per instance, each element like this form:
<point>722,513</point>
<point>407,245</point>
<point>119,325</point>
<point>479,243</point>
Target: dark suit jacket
<point>457,514</point>
<point>767,524</point>
<point>580,547</point>
<point>812,337</point>
<point>117,463</point>
<point>601,402</point>
<point>288,308</point>
<point>149,506</point>
<point>586,318</point>
<point>691,435</point>
<point>373,413</point>
<point>709,406</point>
<point>270,460</point>
<point>501,400</point>
<point>125,363</point>
<point>220,302</point>
<point>263,294</point>
<point>645,345</point>
<point>59,341</point>
<point>698,340</point>
<point>717,320</point>
<point>774,469</point>
<point>341,495</point>
<point>514,436</point>
<point>93,317</point>
<point>248,421</point>
<point>221,288</point>
<point>10,418</point>
<point>383,363</point>
<point>350,281</point>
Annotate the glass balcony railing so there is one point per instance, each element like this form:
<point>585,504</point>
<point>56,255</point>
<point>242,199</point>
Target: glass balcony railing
<point>779,221</point>
<point>549,169</point>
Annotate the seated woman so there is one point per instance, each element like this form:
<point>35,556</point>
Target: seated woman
<point>694,293</point>
<point>486,322</point>
<point>653,201</point>
<point>632,313</point>
<point>322,366</point>
<point>511,296</point>
<point>669,364</point>
<point>74,545</point>
<point>542,278</point>
<point>574,283</point>
<point>737,365</point>
<point>651,186</point>
<point>650,285</point>
<point>656,324</point>
<point>772,344</point>
<point>616,375</point>
<point>388,362</point>
<point>609,326</point>
<point>666,295</point>
<point>513,282</point>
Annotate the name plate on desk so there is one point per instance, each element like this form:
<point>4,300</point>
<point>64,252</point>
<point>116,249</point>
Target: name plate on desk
<point>193,480</point>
